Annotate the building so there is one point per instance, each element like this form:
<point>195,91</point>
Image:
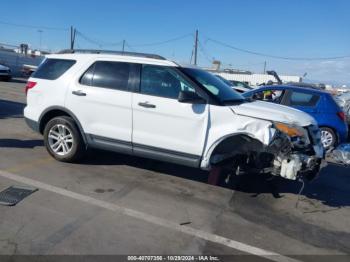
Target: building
<point>253,79</point>
<point>247,76</point>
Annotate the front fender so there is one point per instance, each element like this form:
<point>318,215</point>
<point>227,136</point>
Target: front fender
<point>242,141</point>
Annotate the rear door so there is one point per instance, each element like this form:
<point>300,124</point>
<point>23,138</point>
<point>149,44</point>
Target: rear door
<point>101,100</point>
<point>164,128</point>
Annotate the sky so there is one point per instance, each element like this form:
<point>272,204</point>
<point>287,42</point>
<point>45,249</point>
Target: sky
<point>283,28</point>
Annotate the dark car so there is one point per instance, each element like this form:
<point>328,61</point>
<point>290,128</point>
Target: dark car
<point>319,104</point>
<point>5,73</point>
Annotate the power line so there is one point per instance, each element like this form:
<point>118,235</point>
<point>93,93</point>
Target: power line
<point>164,42</point>
<point>205,53</point>
<point>34,26</point>
<point>97,42</point>
<point>243,65</point>
<point>275,56</point>
<point>131,48</point>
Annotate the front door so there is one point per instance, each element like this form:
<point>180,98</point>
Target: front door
<point>164,128</point>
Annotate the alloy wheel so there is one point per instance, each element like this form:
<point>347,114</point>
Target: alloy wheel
<point>60,139</point>
<point>326,138</point>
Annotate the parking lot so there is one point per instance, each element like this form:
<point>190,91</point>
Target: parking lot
<point>117,204</point>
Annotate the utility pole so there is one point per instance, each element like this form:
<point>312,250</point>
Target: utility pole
<point>265,67</point>
<point>196,48</point>
<point>123,45</point>
<point>40,38</point>
<point>72,37</point>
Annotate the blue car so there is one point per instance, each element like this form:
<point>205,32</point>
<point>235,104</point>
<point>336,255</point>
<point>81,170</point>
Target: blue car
<point>319,104</point>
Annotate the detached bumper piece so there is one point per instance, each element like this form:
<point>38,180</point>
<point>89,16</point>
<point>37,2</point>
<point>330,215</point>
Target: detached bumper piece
<point>341,155</point>
<point>14,194</point>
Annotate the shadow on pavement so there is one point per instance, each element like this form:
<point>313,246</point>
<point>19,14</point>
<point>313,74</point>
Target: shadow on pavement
<point>17,143</point>
<point>331,187</point>
<point>99,157</point>
<point>10,109</point>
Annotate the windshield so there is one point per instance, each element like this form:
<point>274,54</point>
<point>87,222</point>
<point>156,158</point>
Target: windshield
<point>241,84</point>
<point>224,80</point>
<point>213,85</point>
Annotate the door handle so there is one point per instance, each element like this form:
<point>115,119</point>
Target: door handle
<point>79,93</point>
<point>146,105</point>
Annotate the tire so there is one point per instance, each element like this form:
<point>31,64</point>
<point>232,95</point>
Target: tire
<point>328,138</point>
<point>63,140</point>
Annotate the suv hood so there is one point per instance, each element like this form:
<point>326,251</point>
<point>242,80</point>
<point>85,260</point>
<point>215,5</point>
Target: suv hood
<point>274,112</point>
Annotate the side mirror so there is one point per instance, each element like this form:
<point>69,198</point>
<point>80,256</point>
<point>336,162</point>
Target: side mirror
<point>190,98</point>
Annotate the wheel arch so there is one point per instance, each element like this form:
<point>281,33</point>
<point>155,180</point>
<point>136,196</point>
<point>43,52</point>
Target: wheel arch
<point>56,111</point>
<point>231,145</point>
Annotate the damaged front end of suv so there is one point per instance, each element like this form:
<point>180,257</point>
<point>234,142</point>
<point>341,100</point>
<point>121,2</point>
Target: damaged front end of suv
<point>296,151</point>
<point>289,151</point>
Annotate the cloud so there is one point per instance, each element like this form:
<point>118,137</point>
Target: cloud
<point>337,71</point>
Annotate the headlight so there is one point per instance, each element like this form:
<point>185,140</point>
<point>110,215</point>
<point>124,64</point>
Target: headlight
<point>292,131</point>
<point>299,135</point>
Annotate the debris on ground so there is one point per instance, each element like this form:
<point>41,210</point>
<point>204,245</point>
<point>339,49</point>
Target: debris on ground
<point>340,155</point>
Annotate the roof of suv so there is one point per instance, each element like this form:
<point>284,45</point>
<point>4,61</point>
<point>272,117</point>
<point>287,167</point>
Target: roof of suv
<point>113,56</point>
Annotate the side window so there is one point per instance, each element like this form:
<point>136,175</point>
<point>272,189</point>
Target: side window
<point>51,69</point>
<point>163,81</point>
<point>274,96</point>
<point>303,99</point>
<point>113,75</point>
<point>86,79</point>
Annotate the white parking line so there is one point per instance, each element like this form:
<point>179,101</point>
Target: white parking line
<point>151,219</point>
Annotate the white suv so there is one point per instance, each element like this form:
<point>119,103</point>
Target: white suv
<point>147,106</point>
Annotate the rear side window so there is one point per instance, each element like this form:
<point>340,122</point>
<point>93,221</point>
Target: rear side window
<point>113,75</point>
<point>51,69</point>
<point>303,99</point>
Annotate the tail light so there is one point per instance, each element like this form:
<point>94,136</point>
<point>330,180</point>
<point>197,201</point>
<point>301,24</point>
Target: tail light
<point>342,116</point>
<point>29,85</point>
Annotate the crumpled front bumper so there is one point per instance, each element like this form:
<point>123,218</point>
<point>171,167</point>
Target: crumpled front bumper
<point>296,166</point>
<point>293,163</point>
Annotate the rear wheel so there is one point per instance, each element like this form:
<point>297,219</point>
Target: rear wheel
<point>63,140</point>
<point>328,138</point>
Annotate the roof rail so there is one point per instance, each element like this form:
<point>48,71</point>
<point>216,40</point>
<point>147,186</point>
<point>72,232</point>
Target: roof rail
<point>110,52</point>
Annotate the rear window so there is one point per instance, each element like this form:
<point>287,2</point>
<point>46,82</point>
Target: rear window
<point>52,69</point>
<point>303,99</point>
<point>113,75</point>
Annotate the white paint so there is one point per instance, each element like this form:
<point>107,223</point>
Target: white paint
<point>151,219</point>
<point>275,112</point>
<point>180,127</point>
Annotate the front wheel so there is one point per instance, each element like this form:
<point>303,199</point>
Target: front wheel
<point>328,138</point>
<point>63,140</point>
